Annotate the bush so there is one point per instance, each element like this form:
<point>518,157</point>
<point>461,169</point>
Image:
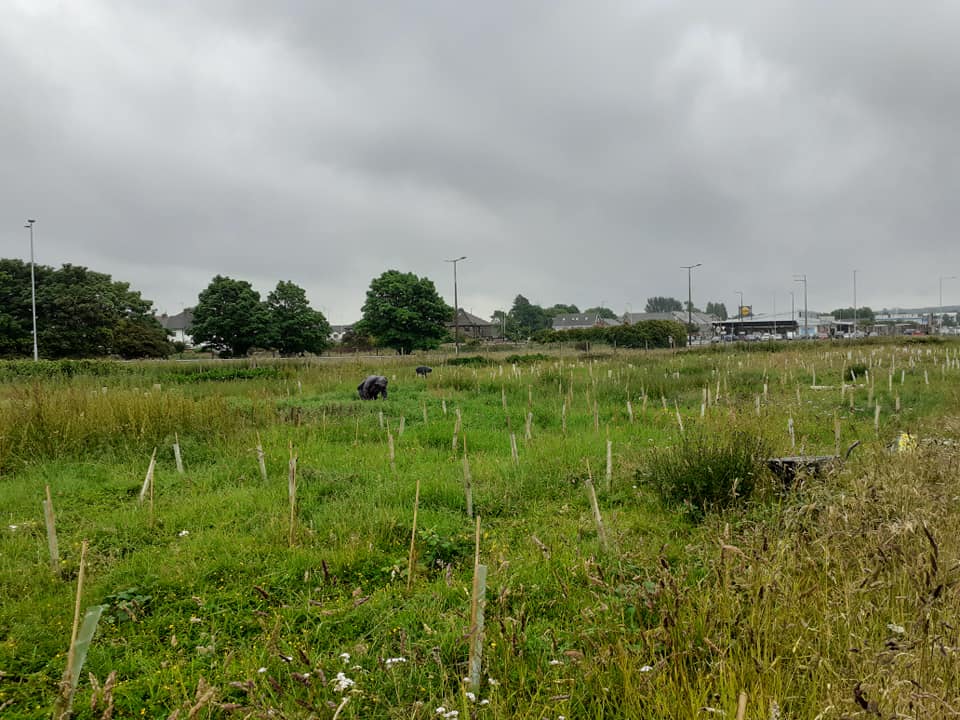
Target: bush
<point>528,359</point>
<point>706,471</point>
<point>468,360</point>
<point>855,372</point>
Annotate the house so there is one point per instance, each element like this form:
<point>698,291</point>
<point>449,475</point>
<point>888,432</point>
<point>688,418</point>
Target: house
<point>471,326</point>
<point>581,321</point>
<point>178,326</point>
<point>338,331</point>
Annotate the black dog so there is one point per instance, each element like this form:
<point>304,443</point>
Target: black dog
<point>424,370</point>
<point>372,387</point>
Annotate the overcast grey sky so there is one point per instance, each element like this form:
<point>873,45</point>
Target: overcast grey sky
<point>576,152</point>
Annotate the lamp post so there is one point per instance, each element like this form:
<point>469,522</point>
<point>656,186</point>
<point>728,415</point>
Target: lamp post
<point>854,304</point>
<point>806,316</point>
<point>33,291</point>
<point>942,278</point>
<point>689,269</point>
<point>793,315</point>
<point>456,307</point>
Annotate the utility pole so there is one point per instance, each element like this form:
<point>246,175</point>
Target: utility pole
<point>689,269</point>
<point>33,292</point>
<point>456,306</point>
<point>739,311</point>
<point>806,316</point>
<point>854,304</point>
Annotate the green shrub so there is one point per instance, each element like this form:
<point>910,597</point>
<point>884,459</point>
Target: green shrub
<point>706,471</point>
<point>468,360</point>
<point>855,372</point>
<point>528,359</point>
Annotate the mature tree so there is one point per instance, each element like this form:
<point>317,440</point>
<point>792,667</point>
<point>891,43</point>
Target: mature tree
<point>662,304</point>
<point>294,326</point>
<point>80,313</point>
<point>526,319</point>
<point>603,312</point>
<point>689,306</point>
<point>404,312</point>
<point>230,318</point>
<point>864,314</point>
<point>717,309</point>
<point>560,309</point>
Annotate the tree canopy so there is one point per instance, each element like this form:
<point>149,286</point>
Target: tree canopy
<point>603,312</point>
<point>864,314</point>
<point>526,319</point>
<point>658,303</point>
<point>230,318</point>
<point>560,309</point>
<point>404,312</point>
<point>80,313</point>
<point>294,326</point>
<point>718,309</point>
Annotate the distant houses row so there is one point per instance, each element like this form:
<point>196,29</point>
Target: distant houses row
<point>471,327</point>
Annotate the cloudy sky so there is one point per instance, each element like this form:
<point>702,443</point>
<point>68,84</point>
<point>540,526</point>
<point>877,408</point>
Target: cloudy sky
<point>576,152</point>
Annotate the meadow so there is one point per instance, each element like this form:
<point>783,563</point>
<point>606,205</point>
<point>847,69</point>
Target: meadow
<point>697,585</point>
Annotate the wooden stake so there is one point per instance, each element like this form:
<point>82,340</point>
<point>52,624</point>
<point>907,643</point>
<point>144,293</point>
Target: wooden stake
<point>413,536</point>
<point>592,494</point>
<point>477,605</point>
<point>742,706</point>
<point>630,411</point>
<point>793,440</point>
<point>596,416</point>
<point>513,449</point>
<point>679,419</point>
<point>609,464</point>
<point>64,704</point>
<point>443,405</point>
<point>527,433</point>
<point>876,418</point>
<point>390,451</point>
<point>260,457</point>
<point>148,480</point>
<point>51,534</point>
<point>563,417</point>
<point>176,453</point>
<point>403,424</point>
<point>836,433</point>
<point>467,480</point>
<point>292,493</point>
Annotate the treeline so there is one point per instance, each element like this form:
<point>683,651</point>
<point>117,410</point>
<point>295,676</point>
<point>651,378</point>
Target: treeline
<point>646,334</point>
<point>80,313</point>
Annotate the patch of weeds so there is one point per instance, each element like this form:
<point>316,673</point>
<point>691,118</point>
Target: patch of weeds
<point>855,371</point>
<point>126,606</point>
<point>706,471</point>
<point>469,360</point>
<point>527,359</point>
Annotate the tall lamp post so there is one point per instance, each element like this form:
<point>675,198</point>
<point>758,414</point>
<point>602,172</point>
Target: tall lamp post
<point>689,269</point>
<point>33,291</point>
<point>942,278</point>
<point>456,307</point>
<point>854,304</point>
<point>806,316</point>
<point>793,314</point>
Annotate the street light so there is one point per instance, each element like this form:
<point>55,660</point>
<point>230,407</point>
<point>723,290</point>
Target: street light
<point>854,303</point>
<point>942,278</point>
<point>806,316</point>
<point>33,291</point>
<point>456,307</point>
<point>689,269</point>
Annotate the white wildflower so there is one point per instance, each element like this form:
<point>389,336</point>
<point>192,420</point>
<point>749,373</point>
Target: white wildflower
<point>898,629</point>
<point>485,702</point>
<point>342,683</point>
<point>345,656</point>
<point>183,533</point>
<point>452,714</point>
<point>262,670</point>
<point>470,696</point>
<point>440,710</point>
<point>390,662</point>
<point>555,662</point>
<point>493,682</point>
<point>646,668</point>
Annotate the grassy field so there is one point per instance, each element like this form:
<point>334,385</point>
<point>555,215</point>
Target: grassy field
<point>706,584</point>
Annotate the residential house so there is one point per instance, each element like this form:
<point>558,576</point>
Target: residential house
<point>473,327</point>
<point>582,321</point>
<point>178,326</point>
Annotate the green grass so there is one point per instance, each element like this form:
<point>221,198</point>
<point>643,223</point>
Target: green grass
<point>788,597</point>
